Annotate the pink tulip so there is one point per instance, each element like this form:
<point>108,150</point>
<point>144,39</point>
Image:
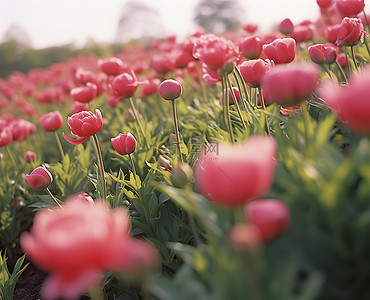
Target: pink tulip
<point>29,156</point>
<point>149,87</point>
<point>250,27</point>
<point>84,93</point>
<point>80,242</point>
<point>331,33</point>
<point>111,66</point>
<point>253,70</point>
<point>286,26</point>
<point>77,107</point>
<point>83,125</point>
<point>21,129</point>
<point>270,216</point>
<point>236,94</point>
<point>351,103</point>
<point>250,47</point>
<point>351,32</point>
<point>290,84</point>
<point>281,51</point>
<point>170,89</point>
<point>350,8</point>
<point>302,33</point>
<point>324,4</point>
<point>125,85</point>
<point>231,175</point>
<point>317,54</point>
<point>51,121</point>
<point>6,136</point>
<point>39,178</point>
<point>124,143</point>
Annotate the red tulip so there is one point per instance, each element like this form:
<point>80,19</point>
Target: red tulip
<point>21,129</point>
<point>231,175</point>
<point>125,85</point>
<point>51,121</point>
<point>84,93</point>
<point>331,33</point>
<point>270,216</point>
<point>324,3</point>
<point>250,47</point>
<point>331,53</point>
<point>214,51</point>
<point>124,143</point>
<point>77,107</point>
<point>111,66</point>
<point>302,33</point>
<point>149,87</point>
<point>290,84</point>
<point>236,94</point>
<point>80,242</point>
<point>342,60</point>
<point>250,27</point>
<point>281,51</point>
<point>317,54</point>
<point>163,63</point>
<point>253,70</point>
<point>39,178</point>
<point>29,156</point>
<point>164,162</point>
<point>286,26</point>
<point>170,89</point>
<point>83,125</point>
<point>350,8</point>
<point>350,33</point>
<point>351,103</point>
<point>6,136</point>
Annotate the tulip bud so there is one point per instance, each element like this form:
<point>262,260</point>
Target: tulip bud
<point>164,162</point>
<point>170,89</point>
<point>124,143</point>
<point>350,8</point>
<point>324,3</point>
<point>29,156</point>
<point>111,66</point>
<point>181,175</point>
<point>281,51</point>
<point>39,178</point>
<point>286,26</point>
<point>84,93</point>
<point>51,121</point>
<point>251,47</point>
<point>350,33</point>
<point>253,70</point>
<point>317,54</point>
<point>125,85</point>
<point>84,198</point>
<point>6,136</point>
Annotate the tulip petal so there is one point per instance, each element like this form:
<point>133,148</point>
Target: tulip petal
<point>73,141</point>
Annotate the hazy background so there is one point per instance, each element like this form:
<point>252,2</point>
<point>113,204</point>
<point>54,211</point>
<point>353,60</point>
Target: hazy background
<point>45,23</point>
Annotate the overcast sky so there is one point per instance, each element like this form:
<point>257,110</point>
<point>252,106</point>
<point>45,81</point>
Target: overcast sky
<point>56,22</point>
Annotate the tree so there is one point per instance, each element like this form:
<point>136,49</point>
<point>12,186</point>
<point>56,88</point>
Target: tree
<point>218,16</point>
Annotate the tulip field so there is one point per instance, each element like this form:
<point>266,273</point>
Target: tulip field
<point>232,166</point>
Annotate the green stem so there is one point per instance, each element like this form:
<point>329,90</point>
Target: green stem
<point>341,71</point>
<point>348,62</point>
<point>306,121</point>
<point>54,199</point>
<point>327,71</point>
<point>354,58</point>
<point>262,101</point>
<point>236,102</point>
<point>132,165</point>
<point>100,164</point>
<point>119,116</point>
<point>12,160</point>
<point>59,145</point>
<point>138,122</point>
<point>225,100</point>
<point>175,124</point>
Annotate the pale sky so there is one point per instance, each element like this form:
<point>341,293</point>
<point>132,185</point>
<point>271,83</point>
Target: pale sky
<point>57,22</point>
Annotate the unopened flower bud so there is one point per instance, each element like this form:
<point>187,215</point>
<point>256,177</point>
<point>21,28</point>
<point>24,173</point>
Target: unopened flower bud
<point>181,175</point>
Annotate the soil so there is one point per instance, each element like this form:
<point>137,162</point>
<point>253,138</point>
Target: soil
<point>29,284</point>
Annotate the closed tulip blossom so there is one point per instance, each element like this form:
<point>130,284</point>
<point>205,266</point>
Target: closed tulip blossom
<point>125,85</point>
<point>214,51</point>
<point>111,66</point>
<point>51,121</point>
<point>302,33</point>
<point>83,125</point>
<point>270,216</point>
<point>351,103</point>
<point>317,54</point>
<point>253,70</point>
<point>170,89</point>
<point>124,143</point>
<point>29,156</point>
<point>331,53</point>
<point>85,93</point>
<point>39,178</point>
<point>231,175</point>
<point>21,129</point>
<point>324,4</point>
<point>6,136</point>
<point>350,8</point>
<point>331,33</point>
<point>286,26</point>
<point>290,84</point>
<point>350,33</point>
<point>250,47</point>
<point>76,245</point>
<point>281,51</point>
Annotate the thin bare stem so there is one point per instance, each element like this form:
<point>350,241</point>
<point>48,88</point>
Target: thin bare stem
<point>262,101</point>
<point>175,124</point>
<point>341,71</point>
<point>354,58</point>
<point>226,108</point>
<point>54,199</point>
<point>12,160</point>
<point>236,102</point>
<point>138,122</point>
<point>59,145</point>
<point>132,165</point>
<point>100,164</point>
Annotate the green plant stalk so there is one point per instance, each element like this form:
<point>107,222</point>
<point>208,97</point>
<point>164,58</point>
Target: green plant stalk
<point>348,62</point>
<point>138,122</point>
<point>96,293</point>
<point>239,79</point>
<point>100,164</point>
<point>354,58</point>
<point>327,71</point>
<point>54,199</point>
<point>119,117</point>
<point>307,128</point>
<point>225,101</point>
<point>132,166</point>
<point>12,160</point>
<point>267,129</point>
<point>59,145</point>
<point>177,132</point>
<point>236,103</point>
<point>341,71</point>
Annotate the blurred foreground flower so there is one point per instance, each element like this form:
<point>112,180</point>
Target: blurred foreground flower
<point>79,243</point>
<point>234,174</point>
